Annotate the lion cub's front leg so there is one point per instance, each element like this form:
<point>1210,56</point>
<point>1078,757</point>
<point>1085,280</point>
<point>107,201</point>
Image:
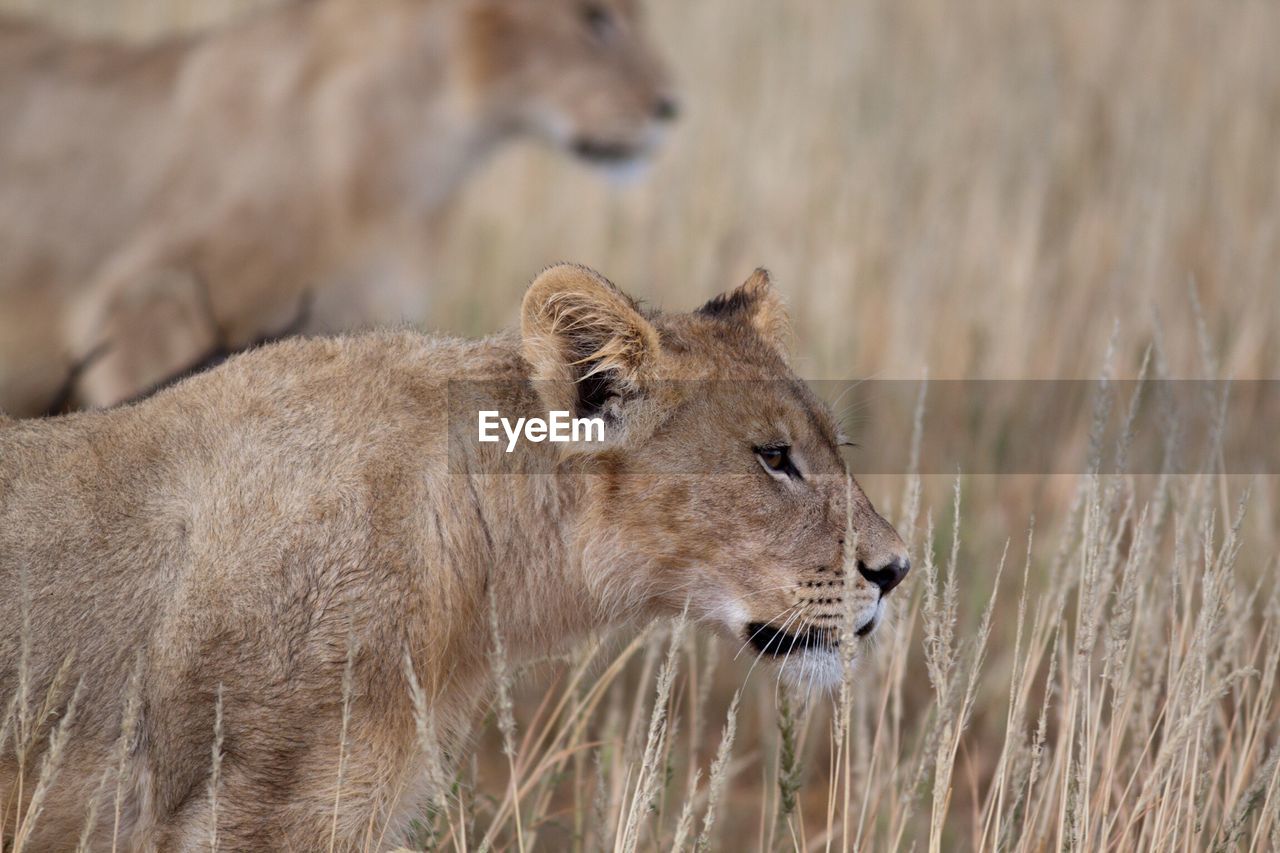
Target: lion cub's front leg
<point>291,776</point>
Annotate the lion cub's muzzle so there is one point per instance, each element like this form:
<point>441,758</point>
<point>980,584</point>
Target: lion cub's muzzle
<point>825,603</point>
<point>629,147</point>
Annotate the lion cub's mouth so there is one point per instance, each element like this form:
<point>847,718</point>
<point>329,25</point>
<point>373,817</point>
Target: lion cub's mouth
<point>604,153</point>
<point>774,642</point>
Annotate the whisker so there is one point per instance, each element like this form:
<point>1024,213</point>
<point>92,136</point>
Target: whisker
<point>782,631</point>
<point>786,658</point>
<point>764,625</point>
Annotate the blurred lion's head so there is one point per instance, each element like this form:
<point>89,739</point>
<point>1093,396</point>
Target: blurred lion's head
<point>580,74</point>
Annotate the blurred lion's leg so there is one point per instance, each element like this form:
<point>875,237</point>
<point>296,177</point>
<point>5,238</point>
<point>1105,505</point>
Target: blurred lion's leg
<point>152,328</point>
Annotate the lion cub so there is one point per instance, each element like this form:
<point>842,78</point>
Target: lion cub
<point>245,531</point>
<point>164,205</point>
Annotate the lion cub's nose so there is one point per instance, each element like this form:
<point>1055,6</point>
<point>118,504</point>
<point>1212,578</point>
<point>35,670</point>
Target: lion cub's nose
<point>666,108</point>
<point>887,576</point>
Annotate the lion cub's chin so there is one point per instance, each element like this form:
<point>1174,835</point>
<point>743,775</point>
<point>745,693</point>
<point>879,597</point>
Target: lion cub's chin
<point>623,173</point>
<point>816,671</point>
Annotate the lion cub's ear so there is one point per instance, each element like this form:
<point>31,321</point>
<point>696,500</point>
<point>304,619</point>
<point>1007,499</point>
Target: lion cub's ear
<point>592,352</point>
<point>757,304</point>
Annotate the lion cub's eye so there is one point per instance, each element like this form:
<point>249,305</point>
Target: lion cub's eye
<point>777,458</point>
<point>597,19</point>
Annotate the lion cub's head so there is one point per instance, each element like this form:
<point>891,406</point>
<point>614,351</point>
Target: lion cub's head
<point>720,483</point>
<point>579,73</point>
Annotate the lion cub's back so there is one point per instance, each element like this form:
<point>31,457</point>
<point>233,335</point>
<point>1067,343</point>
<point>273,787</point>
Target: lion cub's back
<point>265,438</point>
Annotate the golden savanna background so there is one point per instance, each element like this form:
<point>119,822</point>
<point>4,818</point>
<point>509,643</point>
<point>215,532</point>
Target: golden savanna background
<point>994,189</point>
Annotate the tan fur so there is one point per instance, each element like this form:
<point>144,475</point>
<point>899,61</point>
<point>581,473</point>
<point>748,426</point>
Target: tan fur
<point>238,531</point>
<point>165,203</point>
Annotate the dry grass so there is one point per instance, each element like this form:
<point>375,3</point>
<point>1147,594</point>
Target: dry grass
<point>999,188</point>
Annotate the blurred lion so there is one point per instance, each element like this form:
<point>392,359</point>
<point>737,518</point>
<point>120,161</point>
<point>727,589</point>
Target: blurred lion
<point>165,205</point>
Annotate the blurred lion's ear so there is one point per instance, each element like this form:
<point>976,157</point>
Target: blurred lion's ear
<point>590,349</point>
<point>757,304</point>
<point>492,34</point>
